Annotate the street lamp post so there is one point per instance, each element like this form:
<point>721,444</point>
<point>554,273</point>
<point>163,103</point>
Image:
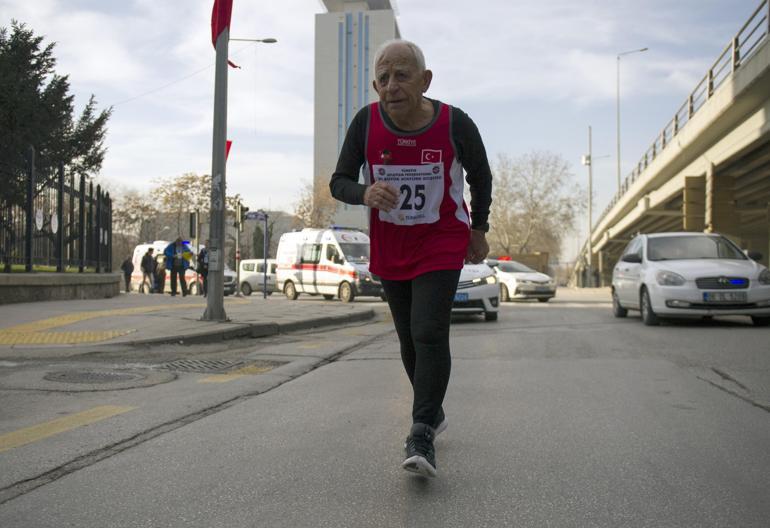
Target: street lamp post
<point>215,303</point>
<point>617,102</point>
<point>588,161</point>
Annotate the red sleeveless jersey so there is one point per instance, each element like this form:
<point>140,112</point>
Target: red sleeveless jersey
<point>429,229</point>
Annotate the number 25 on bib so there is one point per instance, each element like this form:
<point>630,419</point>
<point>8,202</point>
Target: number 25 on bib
<point>421,189</point>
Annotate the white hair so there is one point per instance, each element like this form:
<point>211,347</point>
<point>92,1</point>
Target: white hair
<point>419,58</point>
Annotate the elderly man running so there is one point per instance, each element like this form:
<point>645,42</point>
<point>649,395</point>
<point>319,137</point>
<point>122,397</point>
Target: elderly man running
<point>414,150</point>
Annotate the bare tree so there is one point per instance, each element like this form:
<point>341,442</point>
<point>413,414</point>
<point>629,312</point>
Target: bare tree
<point>314,209</point>
<point>184,194</point>
<point>534,205</point>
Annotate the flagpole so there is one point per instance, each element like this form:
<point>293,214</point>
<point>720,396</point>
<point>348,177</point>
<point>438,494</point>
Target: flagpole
<point>215,308</point>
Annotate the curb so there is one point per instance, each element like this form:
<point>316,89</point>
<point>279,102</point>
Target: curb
<point>252,330</point>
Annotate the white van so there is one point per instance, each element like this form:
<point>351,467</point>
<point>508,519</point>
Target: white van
<point>329,262</point>
<point>253,276</point>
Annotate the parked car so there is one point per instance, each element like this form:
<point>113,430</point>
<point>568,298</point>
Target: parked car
<point>477,292</point>
<point>518,281</point>
<point>230,280</point>
<point>253,276</point>
<point>690,275</point>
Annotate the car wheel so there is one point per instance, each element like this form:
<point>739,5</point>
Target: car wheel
<point>290,291</point>
<point>617,309</point>
<point>328,297</point>
<point>346,292</point>
<point>192,288</point>
<point>760,321</point>
<point>504,293</point>
<point>648,315</point>
<point>246,288</point>
<point>543,299</point>
<point>490,316</point>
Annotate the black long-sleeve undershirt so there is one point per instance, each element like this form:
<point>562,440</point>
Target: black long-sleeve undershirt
<point>344,183</point>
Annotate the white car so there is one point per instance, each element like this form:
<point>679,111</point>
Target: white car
<point>477,292</point>
<point>689,275</point>
<point>518,281</point>
<point>253,276</point>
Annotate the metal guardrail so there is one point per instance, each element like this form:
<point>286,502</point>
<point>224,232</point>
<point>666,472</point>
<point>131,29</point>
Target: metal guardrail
<point>740,48</point>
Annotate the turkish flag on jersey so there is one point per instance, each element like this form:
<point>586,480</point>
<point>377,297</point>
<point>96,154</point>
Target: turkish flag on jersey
<point>220,19</point>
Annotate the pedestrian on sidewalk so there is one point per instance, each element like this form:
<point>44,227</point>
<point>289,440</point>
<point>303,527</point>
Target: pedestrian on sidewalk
<point>178,255</point>
<point>148,276</point>
<point>159,273</point>
<point>128,269</point>
<point>414,150</point>
<point>203,267</point>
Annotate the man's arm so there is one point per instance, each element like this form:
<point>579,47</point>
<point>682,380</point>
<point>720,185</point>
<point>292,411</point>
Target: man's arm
<point>473,157</point>
<point>344,184</point>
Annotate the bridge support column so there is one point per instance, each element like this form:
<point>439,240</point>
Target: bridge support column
<point>694,203</point>
<point>721,215</point>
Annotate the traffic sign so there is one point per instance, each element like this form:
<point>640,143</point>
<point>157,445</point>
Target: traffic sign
<point>256,215</point>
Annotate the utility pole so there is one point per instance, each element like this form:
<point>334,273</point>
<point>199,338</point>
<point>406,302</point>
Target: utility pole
<point>215,303</point>
<point>239,214</point>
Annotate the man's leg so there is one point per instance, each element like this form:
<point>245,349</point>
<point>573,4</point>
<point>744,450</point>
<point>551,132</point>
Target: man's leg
<point>432,297</point>
<point>173,281</point>
<point>183,282</point>
<point>128,282</point>
<point>399,295</point>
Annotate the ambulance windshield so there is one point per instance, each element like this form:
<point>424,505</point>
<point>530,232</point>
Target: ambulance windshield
<point>355,252</point>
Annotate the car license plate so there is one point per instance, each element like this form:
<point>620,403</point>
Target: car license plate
<point>724,297</point>
<point>543,288</point>
<point>461,297</point>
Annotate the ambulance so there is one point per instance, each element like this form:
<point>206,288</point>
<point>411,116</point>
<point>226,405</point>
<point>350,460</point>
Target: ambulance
<point>331,262</point>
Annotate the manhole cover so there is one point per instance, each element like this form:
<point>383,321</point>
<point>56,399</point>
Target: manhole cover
<point>202,365</point>
<point>88,376</point>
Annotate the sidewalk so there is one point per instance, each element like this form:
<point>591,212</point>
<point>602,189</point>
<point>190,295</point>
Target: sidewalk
<point>75,327</point>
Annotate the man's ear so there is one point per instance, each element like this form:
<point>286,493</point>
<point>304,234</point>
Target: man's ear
<point>427,77</point>
<point>374,85</point>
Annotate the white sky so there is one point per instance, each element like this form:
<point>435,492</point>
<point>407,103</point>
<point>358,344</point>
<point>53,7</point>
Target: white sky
<point>532,74</point>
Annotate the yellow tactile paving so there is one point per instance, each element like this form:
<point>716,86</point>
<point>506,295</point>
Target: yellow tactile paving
<point>34,333</point>
<point>60,425</point>
<point>59,338</point>
<point>235,374</point>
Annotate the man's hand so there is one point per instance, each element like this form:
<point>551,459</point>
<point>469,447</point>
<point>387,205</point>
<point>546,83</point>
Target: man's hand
<point>381,196</point>
<point>478,247</point>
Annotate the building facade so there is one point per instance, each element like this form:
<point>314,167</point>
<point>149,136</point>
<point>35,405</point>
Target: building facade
<point>346,38</point>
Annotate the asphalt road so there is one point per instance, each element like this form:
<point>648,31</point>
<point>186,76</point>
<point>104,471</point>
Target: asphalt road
<point>559,415</point>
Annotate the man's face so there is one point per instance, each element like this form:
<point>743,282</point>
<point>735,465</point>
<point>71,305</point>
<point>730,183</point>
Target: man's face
<point>399,83</point>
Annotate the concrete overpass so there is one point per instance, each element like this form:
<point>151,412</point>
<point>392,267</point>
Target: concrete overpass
<point>709,167</point>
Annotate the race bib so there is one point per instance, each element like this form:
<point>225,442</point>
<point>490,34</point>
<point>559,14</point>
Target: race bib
<point>421,190</point>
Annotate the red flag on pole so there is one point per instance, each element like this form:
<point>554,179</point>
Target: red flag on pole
<point>228,144</point>
<point>220,19</point>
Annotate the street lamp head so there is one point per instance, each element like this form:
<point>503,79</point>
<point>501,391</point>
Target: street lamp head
<point>263,41</point>
<point>631,51</point>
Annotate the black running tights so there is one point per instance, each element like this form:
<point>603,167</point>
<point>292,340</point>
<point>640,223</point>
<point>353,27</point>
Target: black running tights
<point>421,310</point>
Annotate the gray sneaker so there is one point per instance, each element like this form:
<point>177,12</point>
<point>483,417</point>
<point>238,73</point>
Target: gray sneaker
<point>420,455</point>
<point>440,424</point>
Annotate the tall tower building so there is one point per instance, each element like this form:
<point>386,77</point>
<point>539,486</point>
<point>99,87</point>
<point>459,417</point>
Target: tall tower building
<point>346,38</point>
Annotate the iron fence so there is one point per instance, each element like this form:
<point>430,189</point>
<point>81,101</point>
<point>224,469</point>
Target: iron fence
<point>62,224</point>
